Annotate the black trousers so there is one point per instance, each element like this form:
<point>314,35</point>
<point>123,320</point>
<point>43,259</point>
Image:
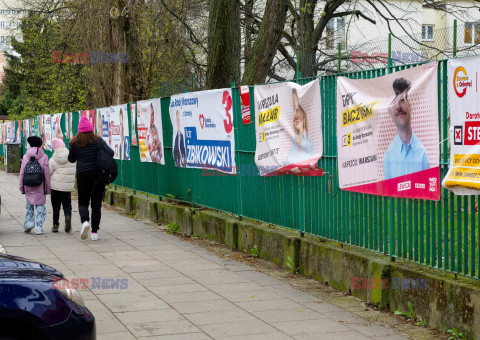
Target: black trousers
<point>89,190</point>
<point>61,198</point>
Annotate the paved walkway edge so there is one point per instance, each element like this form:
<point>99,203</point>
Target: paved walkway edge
<point>439,299</point>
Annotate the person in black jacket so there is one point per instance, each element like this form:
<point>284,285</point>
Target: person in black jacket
<point>83,150</point>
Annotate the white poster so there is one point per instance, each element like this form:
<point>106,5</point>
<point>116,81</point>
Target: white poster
<point>56,126</point>
<point>119,129</point>
<point>47,130</point>
<point>150,132</point>
<point>26,130</point>
<point>387,134</point>
<point>103,118</point>
<point>288,126</point>
<point>463,176</point>
<point>203,130</point>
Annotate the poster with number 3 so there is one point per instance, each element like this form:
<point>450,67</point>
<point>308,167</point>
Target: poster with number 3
<point>203,134</point>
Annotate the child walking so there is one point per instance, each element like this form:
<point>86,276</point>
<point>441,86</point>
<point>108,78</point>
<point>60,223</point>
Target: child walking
<point>35,194</point>
<point>62,179</point>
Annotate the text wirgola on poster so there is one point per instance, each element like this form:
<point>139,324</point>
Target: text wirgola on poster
<point>150,131</point>
<point>463,176</point>
<point>203,134</point>
<point>387,134</point>
<point>288,127</point>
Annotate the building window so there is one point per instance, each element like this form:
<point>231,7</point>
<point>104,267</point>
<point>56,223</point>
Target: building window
<point>472,33</point>
<point>2,11</point>
<point>7,11</point>
<point>335,33</point>
<point>427,32</point>
<point>2,24</point>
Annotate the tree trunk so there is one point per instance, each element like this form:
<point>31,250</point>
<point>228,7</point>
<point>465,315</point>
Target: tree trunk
<point>266,44</point>
<point>307,43</point>
<point>223,64</point>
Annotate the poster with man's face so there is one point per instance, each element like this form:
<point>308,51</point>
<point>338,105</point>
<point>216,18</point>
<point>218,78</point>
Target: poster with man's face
<point>387,134</point>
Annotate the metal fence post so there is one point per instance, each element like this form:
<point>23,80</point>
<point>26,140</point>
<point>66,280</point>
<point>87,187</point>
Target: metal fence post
<point>455,38</point>
<point>235,103</point>
<point>339,57</point>
<point>390,63</point>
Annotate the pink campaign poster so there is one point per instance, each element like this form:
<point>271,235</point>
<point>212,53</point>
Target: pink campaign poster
<point>387,134</point>
<point>90,114</point>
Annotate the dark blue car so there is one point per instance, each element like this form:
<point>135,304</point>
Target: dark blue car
<point>37,302</point>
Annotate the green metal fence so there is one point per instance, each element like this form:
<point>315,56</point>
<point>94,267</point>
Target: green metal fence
<point>440,234</point>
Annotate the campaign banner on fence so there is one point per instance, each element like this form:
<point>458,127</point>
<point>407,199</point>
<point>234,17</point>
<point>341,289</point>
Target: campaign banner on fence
<point>133,125</point>
<point>288,128</point>
<point>56,126</point>
<point>203,135</point>
<point>90,114</point>
<point>463,176</point>
<point>150,132</point>
<point>119,132</point>
<point>47,131</point>
<point>387,134</point>
<point>245,104</point>
<point>70,123</point>
<point>18,135</point>
<point>103,131</point>
<point>26,129</point>
<point>33,127</point>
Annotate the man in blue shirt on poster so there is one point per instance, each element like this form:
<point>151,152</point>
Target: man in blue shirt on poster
<point>405,154</point>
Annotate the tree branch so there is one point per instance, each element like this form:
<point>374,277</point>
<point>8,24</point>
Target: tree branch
<point>354,12</point>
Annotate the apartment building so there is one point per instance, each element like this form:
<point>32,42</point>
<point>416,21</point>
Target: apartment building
<point>10,17</point>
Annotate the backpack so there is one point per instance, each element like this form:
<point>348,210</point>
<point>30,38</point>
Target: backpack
<point>105,167</point>
<point>33,175</point>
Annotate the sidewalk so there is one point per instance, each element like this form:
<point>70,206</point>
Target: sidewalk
<point>176,290</point>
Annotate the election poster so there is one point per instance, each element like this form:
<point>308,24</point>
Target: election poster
<point>47,132</point>
<point>245,104</point>
<point>90,114</point>
<point>103,116</point>
<point>18,134</point>
<point>33,127</point>
<point>463,176</point>
<point>67,125</point>
<point>56,126</point>
<point>150,132</point>
<point>133,125</point>
<point>203,134</point>
<point>1,133</point>
<point>288,128</point>
<point>26,129</point>
<point>70,123</point>
<point>387,134</point>
<point>119,132</point>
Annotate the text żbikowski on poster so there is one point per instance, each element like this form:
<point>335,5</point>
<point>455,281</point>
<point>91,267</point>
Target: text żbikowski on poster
<point>150,132</point>
<point>387,134</point>
<point>463,176</point>
<point>203,134</point>
<point>288,126</point>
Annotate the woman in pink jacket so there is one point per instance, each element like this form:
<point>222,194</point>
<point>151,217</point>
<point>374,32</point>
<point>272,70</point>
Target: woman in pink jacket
<point>36,196</point>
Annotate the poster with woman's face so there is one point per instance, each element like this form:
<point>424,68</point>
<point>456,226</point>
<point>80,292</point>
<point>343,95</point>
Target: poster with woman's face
<point>56,127</point>
<point>119,130</point>
<point>47,131</point>
<point>288,125</point>
<point>150,132</point>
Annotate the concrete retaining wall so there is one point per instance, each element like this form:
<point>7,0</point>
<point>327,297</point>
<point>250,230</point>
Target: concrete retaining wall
<point>439,299</point>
